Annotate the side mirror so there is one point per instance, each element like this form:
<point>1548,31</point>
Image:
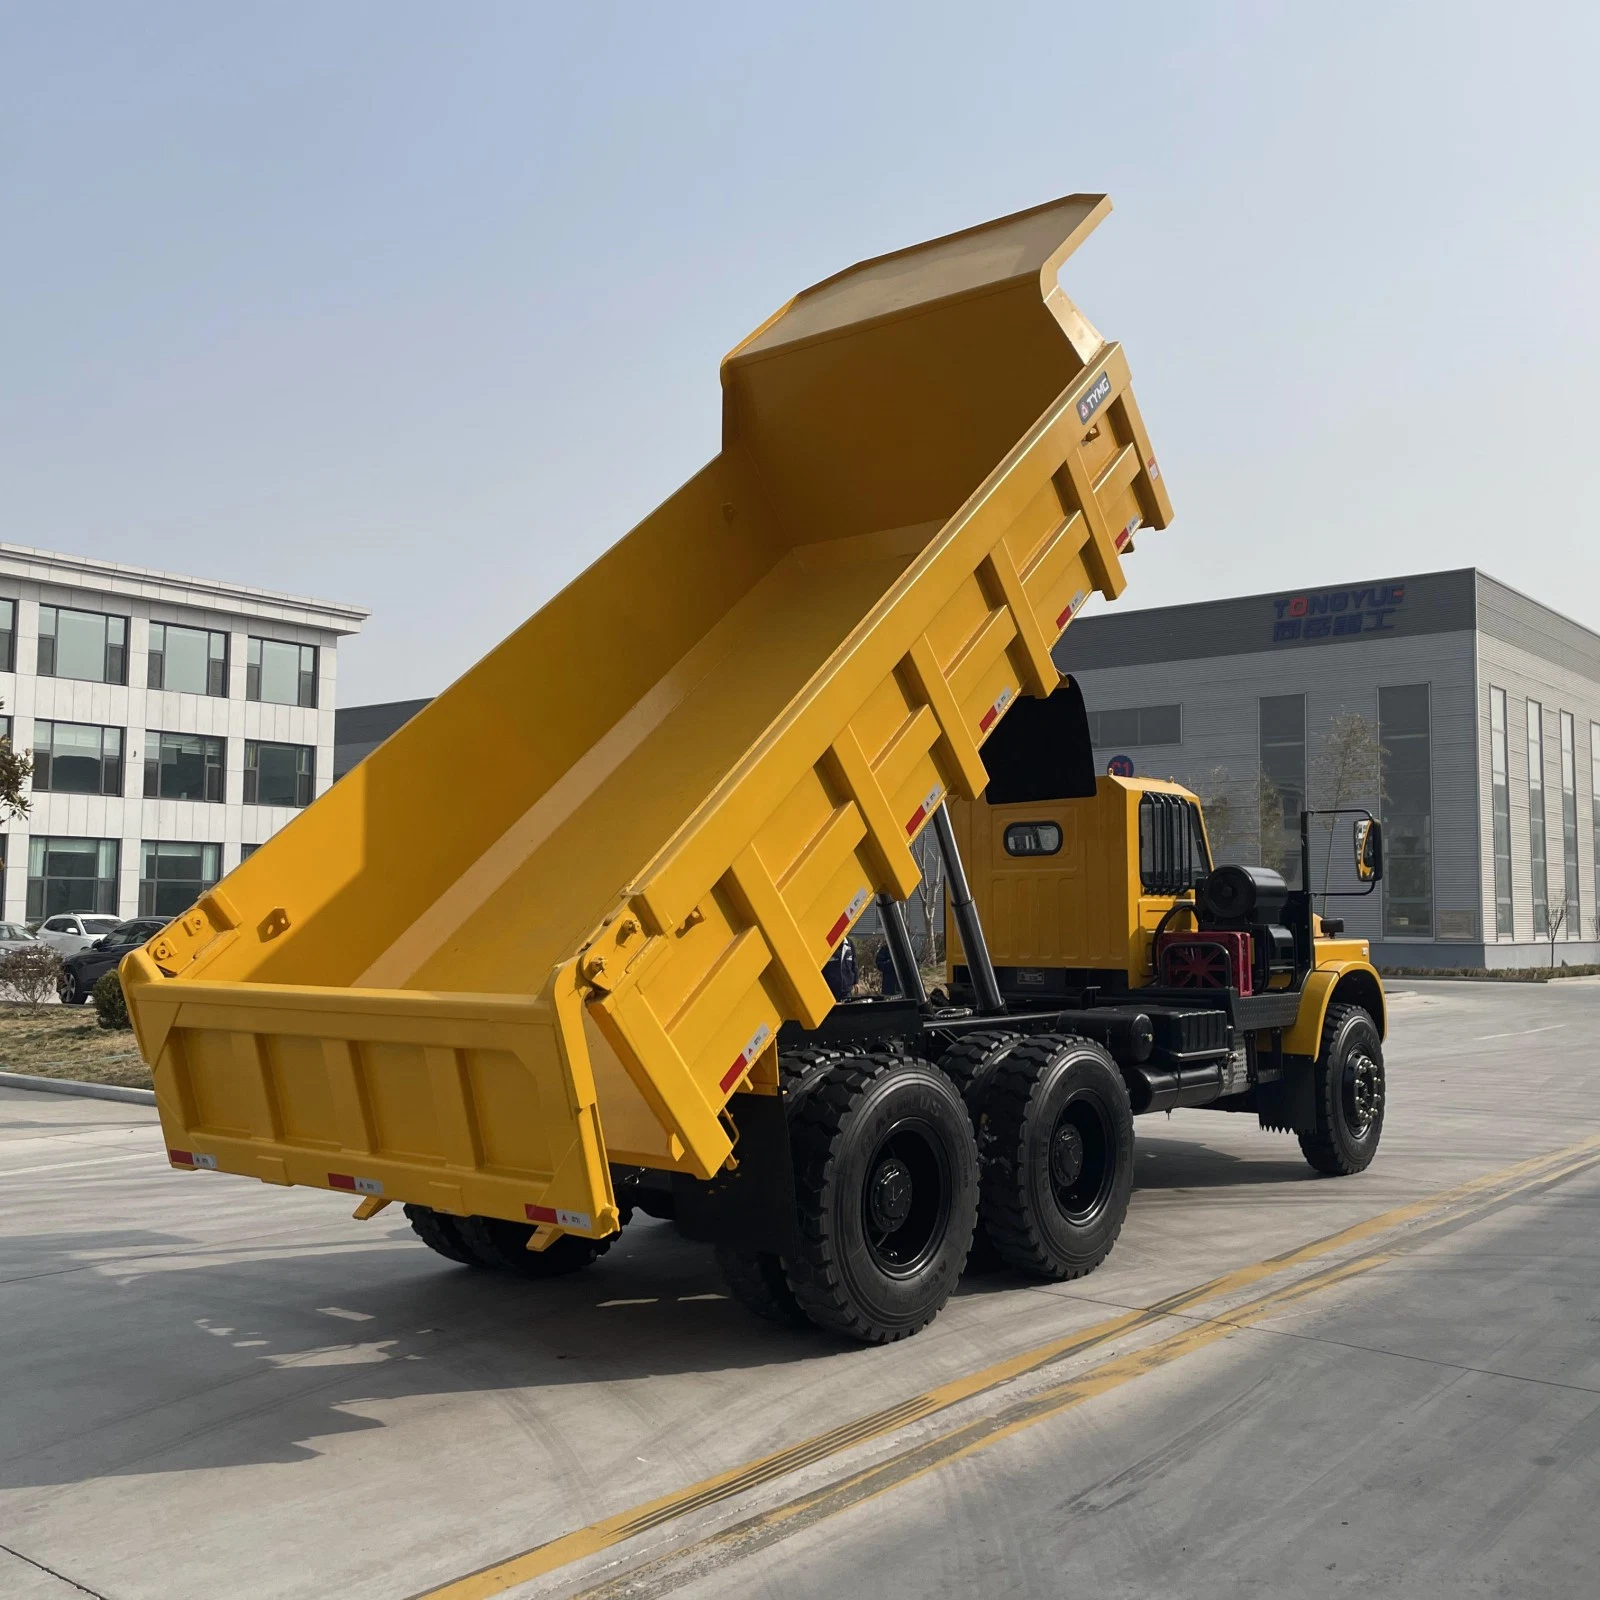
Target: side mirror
<point>99,944</point>
<point>1369,849</point>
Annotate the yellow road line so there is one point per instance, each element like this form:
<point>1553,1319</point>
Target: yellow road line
<point>502,1575</point>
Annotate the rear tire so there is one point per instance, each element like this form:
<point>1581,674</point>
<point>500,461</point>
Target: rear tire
<point>68,992</point>
<point>1350,1093</point>
<point>438,1230</point>
<point>969,1065</point>
<point>886,1196</point>
<point>504,1245</point>
<point>758,1281</point>
<point>1057,1153</point>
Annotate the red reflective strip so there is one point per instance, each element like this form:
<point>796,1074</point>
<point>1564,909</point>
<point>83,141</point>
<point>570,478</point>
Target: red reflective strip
<point>836,932</point>
<point>1122,539</point>
<point>1062,619</point>
<point>181,1158</point>
<point>916,819</point>
<point>988,719</point>
<point>540,1213</point>
<point>341,1180</point>
<point>731,1076</point>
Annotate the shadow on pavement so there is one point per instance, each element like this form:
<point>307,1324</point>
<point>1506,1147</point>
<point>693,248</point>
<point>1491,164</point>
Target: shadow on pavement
<point>136,1351</point>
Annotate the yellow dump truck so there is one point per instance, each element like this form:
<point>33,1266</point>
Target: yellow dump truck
<point>600,987</point>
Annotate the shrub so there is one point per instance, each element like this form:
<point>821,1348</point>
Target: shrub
<point>110,1004</point>
<point>30,973</point>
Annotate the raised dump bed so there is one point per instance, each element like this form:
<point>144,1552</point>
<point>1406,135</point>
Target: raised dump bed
<point>683,779</point>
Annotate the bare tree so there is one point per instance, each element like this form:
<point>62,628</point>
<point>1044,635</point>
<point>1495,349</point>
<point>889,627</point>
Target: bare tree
<point>930,897</point>
<point>1347,771</point>
<point>1279,826</point>
<point>31,973</point>
<point>1230,813</point>
<point>1556,921</point>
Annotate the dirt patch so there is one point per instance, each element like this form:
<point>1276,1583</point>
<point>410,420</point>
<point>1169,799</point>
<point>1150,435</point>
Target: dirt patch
<point>67,1042</point>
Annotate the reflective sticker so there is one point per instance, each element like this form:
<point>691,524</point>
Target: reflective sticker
<point>741,1062</point>
<point>1151,467</point>
<point>992,715</point>
<point>352,1185</point>
<point>206,1163</point>
<point>923,811</point>
<point>1128,532</point>
<point>180,1158</point>
<point>560,1219</point>
<point>1073,605</point>
<point>851,912</point>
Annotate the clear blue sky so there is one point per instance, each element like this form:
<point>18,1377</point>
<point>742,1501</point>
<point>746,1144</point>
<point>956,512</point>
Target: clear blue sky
<point>420,306</point>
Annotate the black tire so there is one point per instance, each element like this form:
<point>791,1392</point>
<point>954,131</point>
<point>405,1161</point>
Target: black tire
<point>758,1280</point>
<point>504,1246</point>
<point>886,1195</point>
<point>68,992</point>
<point>1349,1094</point>
<point>969,1064</point>
<point>1057,1154</point>
<point>438,1230</point>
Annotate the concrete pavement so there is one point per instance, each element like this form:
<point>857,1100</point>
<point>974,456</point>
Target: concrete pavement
<point>209,1386</point>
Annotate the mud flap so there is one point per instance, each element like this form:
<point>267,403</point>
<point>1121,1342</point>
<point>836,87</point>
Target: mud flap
<point>752,1206</point>
<point>1290,1104</point>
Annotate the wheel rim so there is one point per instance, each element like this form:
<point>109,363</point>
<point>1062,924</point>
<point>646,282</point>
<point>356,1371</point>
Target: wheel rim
<point>905,1203</point>
<point>1082,1159</point>
<point>1362,1092</point>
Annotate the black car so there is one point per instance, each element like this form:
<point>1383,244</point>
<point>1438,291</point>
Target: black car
<point>82,970</point>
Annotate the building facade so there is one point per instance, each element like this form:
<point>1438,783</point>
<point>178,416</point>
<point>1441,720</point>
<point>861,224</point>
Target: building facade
<point>175,724</point>
<point>1464,713</point>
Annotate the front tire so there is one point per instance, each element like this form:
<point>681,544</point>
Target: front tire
<point>1057,1156</point>
<point>68,992</point>
<point>886,1194</point>
<point>1350,1093</point>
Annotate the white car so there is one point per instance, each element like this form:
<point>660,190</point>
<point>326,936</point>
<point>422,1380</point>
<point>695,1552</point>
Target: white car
<point>75,931</point>
<point>13,936</point>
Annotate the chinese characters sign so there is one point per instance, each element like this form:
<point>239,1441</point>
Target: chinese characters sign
<point>1337,613</point>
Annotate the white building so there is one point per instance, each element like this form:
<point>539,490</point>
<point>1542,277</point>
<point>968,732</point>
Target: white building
<point>175,723</point>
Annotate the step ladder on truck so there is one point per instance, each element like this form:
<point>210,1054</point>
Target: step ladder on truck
<point>599,988</point>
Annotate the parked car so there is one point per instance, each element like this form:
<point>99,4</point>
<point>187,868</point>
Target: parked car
<point>85,968</point>
<point>75,930</point>
<point>13,936</point>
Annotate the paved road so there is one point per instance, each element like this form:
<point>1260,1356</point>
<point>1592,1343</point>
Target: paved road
<point>209,1387</point>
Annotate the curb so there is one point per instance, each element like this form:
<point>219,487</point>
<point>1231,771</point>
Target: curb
<point>89,1091</point>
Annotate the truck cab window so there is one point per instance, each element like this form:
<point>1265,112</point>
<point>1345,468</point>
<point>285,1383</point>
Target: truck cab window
<point>1172,846</point>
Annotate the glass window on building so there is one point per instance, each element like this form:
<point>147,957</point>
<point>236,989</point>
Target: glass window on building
<point>1537,871</point>
<point>8,635</point>
<point>184,766</point>
<point>1404,736</point>
<point>1572,922</point>
<point>76,758</point>
<point>1505,922</point>
<point>278,774</point>
<point>247,850</point>
<point>191,660</point>
<point>1138,725</point>
<point>173,876</point>
<point>281,674</point>
<point>82,644</point>
<point>1283,782</point>
<point>66,875</point>
<point>1594,812</point>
